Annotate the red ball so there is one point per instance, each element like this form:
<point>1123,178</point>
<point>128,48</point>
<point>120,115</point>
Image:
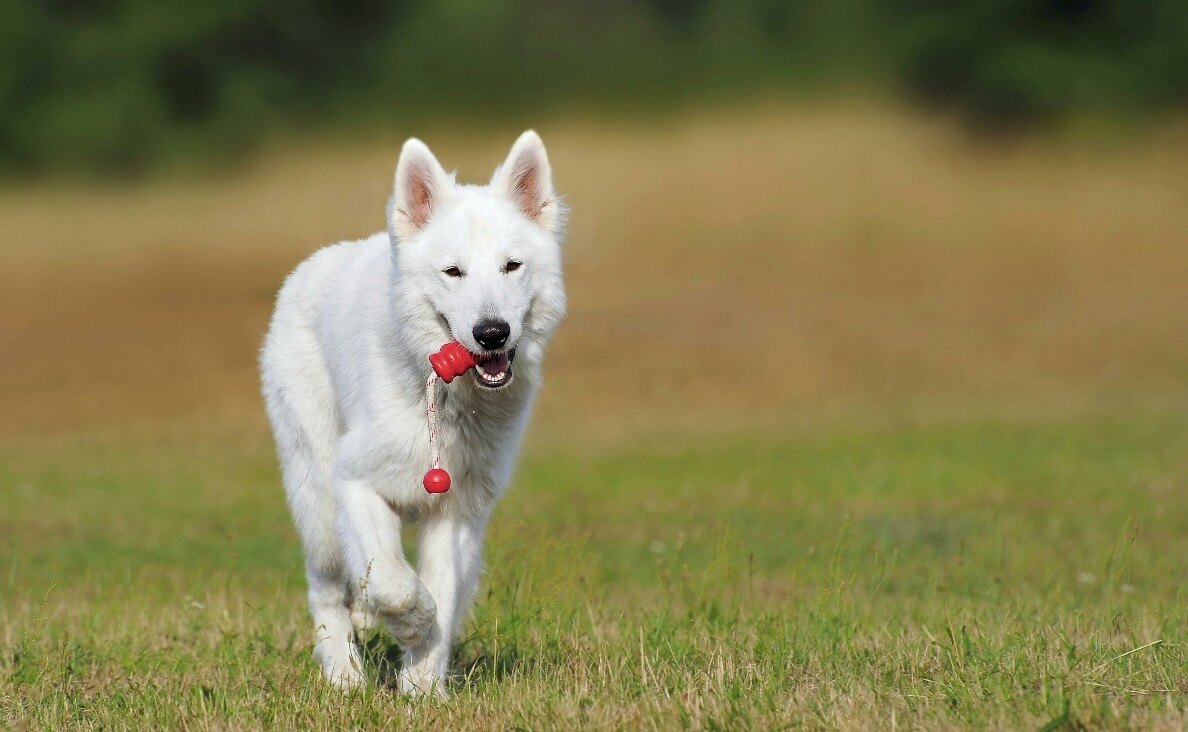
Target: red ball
<point>437,481</point>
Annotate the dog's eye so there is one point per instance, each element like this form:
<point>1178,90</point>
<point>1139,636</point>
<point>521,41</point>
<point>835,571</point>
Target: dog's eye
<point>512,265</point>
<point>452,272</point>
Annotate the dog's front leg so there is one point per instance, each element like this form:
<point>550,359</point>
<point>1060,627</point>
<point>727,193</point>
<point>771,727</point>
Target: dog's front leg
<point>449,552</point>
<point>386,581</point>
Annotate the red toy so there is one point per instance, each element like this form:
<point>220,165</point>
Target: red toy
<point>437,480</point>
<point>450,361</point>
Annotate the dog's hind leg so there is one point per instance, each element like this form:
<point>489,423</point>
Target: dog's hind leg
<point>335,651</point>
<point>330,592</point>
<point>331,595</point>
<point>311,499</point>
<point>301,409</point>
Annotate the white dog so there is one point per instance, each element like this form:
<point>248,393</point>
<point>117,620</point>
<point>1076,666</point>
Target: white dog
<point>344,367</point>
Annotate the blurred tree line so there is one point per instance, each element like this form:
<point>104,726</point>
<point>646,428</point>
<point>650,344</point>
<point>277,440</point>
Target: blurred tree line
<point>122,84</point>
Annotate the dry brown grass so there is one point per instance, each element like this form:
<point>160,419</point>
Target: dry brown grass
<point>773,261</point>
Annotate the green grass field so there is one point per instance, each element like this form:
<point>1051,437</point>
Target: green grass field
<point>989,574</point>
<point>918,456</point>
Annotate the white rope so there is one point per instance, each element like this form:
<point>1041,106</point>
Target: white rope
<point>431,418</point>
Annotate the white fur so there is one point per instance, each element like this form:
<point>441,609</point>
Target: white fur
<point>343,370</point>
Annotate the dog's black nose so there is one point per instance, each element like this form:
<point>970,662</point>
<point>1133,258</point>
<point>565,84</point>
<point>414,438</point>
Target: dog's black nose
<point>491,334</point>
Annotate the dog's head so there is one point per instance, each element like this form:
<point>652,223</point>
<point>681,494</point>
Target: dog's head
<point>485,259</point>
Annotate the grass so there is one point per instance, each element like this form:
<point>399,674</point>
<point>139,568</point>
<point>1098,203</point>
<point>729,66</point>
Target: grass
<point>915,457</point>
<point>988,574</point>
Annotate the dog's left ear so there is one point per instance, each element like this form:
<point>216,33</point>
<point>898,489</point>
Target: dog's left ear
<point>526,178</point>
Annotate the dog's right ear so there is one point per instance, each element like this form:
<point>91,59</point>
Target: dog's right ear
<point>420,187</point>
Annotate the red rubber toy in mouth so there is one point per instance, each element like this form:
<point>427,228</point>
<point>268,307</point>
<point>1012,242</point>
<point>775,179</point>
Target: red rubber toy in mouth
<point>451,360</point>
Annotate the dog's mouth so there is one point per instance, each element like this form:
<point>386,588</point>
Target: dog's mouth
<point>493,370</point>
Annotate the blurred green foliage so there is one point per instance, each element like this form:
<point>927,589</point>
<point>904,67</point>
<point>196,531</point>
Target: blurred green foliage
<point>1013,62</point>
<point>122,84</point>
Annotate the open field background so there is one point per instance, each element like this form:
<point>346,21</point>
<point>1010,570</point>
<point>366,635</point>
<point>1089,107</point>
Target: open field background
<point>916,453</point>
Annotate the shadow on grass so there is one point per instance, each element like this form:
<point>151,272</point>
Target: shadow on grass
<point>384,655</point>
<point>477,665</point>
<point>476,662</point>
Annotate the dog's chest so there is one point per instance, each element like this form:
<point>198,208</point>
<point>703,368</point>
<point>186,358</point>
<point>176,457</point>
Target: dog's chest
<point>478,443</point>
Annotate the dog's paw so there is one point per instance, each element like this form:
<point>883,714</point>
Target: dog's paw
<point>345,681</point>
<point>342,667</point>
<point>410,618</point>
<point>413,682</point>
